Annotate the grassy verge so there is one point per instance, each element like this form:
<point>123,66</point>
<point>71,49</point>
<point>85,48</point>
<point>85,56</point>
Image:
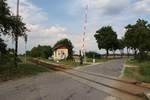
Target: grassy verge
<point>70,63</point>
<point>73,63</point>
<point>9,72</point>
<point>140,71</point>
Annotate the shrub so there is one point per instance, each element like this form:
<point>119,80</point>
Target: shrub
<point>92,54</point>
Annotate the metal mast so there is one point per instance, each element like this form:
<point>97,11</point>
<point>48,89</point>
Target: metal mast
<point>84,33</point>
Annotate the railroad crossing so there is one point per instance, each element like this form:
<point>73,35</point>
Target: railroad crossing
<point>74,84</point>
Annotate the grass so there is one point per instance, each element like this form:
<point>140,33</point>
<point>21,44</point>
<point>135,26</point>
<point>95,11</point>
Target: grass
<point>73,63</point>
<point>140,73</point>
<point>8,71</point>
<point>70,63</point>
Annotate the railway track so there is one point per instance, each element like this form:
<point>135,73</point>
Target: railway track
<point>122,86</point>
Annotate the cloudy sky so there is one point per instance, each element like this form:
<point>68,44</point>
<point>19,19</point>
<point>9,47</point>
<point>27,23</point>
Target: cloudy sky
<point>52,20</point>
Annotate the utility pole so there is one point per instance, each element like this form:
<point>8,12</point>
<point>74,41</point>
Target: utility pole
<point>18,8</point>
<point>25,39</point>
<point>16,37</point>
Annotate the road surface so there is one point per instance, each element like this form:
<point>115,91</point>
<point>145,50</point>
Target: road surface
<point>61,86</point>
<point>112,68</point>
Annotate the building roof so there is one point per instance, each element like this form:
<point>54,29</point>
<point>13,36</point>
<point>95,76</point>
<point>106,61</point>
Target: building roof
<point>60,47</point>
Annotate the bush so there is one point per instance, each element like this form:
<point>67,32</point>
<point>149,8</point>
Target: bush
<point>92,54</point>
<point>40,51</point>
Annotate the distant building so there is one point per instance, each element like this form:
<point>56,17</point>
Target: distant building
<point>60,52</point>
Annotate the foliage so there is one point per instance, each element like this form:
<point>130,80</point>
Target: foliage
<point>121,44</point>
<point>41,51</point>
<point>18,27</point>
<point>67,43</point>
<point>5,17</point>
<point>2,46</point>
<point>106,38</point>
<point>11,25</point>
<point>92,54</point>
<point>137,37</point>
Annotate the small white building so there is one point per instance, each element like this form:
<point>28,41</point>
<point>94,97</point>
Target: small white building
<point>60,52</point>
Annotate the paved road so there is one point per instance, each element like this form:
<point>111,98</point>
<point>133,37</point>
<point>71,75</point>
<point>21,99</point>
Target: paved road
<point>112,68</point>
<point>50,86</point>
<point>59,86</point>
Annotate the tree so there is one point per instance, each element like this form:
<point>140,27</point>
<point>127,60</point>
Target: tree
<point>121,46</point>
<point>106,39</point>
<point>2,46</point>
<point>67,43</point>
<point>2,50</point>
<point>92,54</point>
<point>11,25</point>
<point>5,16</point>
<point>18,29</point>
<point>41,51</point>
<point>137,37</point>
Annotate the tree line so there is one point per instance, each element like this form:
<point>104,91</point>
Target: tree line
<point>136,38</point>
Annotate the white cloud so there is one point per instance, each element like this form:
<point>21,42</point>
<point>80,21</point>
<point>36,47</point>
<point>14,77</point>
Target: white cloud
<point>142,6</point>
<point>55,29</point>
<point>35,18</point>
<point>107,7</point>
<point>117,13</point>
<point>30,13</point>
<point>42,31</point>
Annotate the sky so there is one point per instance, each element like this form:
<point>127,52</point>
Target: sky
<point>52,20</point>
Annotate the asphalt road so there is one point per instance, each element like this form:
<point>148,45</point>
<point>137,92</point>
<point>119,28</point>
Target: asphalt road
<point>50,86</point>
<point>112,68</point>
<point>59,86</point>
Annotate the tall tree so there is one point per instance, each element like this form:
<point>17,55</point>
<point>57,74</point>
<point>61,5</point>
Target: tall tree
<point>11,25</point>
<point>137,37</point>
<point>18,30</point>
<point>5,16</point>
<point>106,39</point>
<point>67,43</point>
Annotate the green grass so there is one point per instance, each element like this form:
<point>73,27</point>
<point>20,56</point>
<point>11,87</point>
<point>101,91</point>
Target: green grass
<point>73,63</point>
<point>31,69</point>
<point>8,71</point>
<point>140,73</point>
<point>70,63</point>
